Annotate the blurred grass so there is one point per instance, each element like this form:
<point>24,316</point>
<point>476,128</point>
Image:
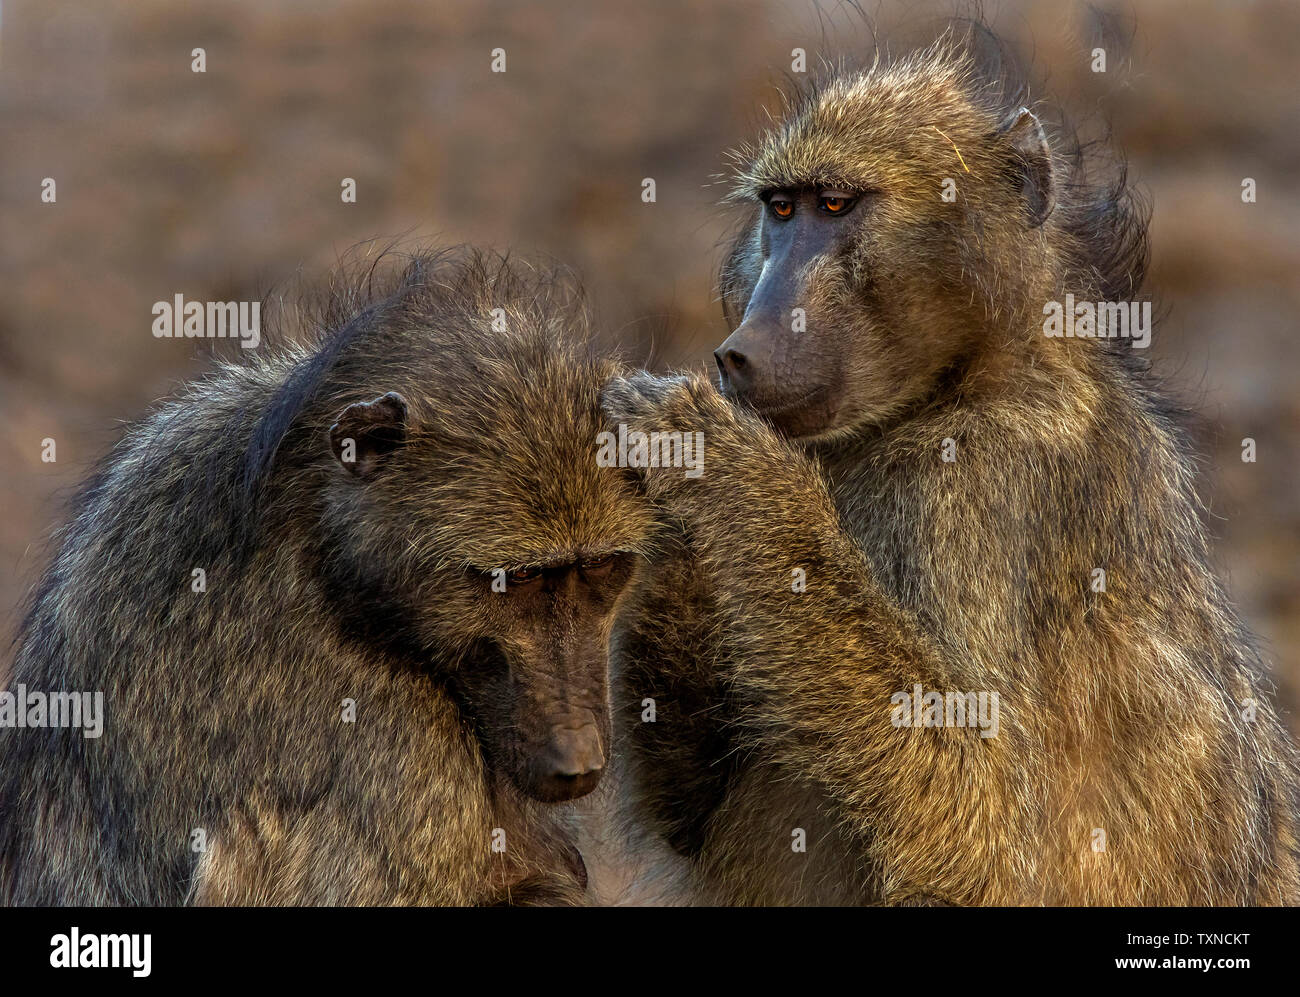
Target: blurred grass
<point>224,185</point>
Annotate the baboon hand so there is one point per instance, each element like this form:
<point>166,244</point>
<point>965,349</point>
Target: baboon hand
<point>677,430</point>
<point>677,398</point>
<point>729,454</point>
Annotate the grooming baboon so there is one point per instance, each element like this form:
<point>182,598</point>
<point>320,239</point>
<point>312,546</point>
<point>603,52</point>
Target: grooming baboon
<point>402,524</point>
<point>943,483</point>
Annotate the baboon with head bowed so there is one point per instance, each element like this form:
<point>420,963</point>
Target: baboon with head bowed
<point>348,606</point>
<point>925,499</point>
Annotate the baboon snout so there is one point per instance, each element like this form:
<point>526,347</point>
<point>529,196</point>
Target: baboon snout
<point>732,373</point>
<point>741,361</point>
<point>575,751</point>
<point>785,376</point>
<point>571,763</point>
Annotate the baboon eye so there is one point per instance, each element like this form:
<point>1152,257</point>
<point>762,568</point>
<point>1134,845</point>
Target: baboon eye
<point>521,576</point>
<point>780,206</point>
<point>835,202</point>
<point>596,563</point>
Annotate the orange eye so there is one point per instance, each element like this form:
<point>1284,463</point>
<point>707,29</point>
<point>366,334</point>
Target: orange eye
<point>835,203</point>
<point>521,576</point>
<point>596,563</point>
<point>781,207</point>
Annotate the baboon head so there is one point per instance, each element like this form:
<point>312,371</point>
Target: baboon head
<point>468,527</point>
<point>900,218</point>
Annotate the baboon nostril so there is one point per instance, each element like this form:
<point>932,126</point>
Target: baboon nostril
<point>729,361</point>
<point>574,752</point>
<point>570,765</point>
<point>733,374</point>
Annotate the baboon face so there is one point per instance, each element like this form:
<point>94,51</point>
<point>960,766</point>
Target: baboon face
<point>498,556</point>
<point>537,680</point>
<point>790,369</point>
<point>886,214</point>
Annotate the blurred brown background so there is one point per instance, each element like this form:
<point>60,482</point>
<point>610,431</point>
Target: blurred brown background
<point>224,185</point>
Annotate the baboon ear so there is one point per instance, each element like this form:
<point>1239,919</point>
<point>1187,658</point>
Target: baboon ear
<point>1032,163</point>
<point>366,431</point>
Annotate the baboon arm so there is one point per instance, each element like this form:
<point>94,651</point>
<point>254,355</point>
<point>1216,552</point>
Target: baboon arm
<point>266,856</point>
<point>815,670</point>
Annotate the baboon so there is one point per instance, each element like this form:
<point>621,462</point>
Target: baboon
<point>348,605</point>
<point>912,491</point>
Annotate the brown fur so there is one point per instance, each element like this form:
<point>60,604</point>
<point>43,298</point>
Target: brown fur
<point>1124,710</point>
<point>223,709</point>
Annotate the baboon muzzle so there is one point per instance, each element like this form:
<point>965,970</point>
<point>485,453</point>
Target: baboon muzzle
<point>570,764</point>
<point>563,726</point>
<point>539,695</point>
<point>750,358</point>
